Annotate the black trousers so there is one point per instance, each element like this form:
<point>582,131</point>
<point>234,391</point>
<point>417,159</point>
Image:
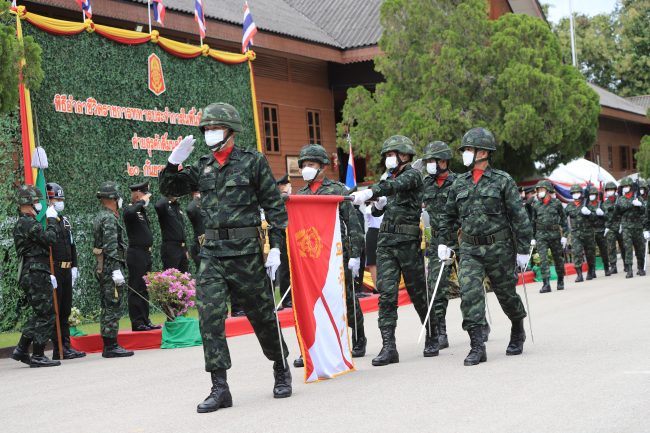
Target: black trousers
<point>64,298</point>
<point>174,255</point>
<point>138,262</point>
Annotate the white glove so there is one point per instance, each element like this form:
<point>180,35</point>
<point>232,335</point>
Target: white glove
<point>51,212</point>
<point>606,231</point>
<point>54,283</point>
<point>354,264</point>
<point>75,275</point>
<point>381,202</point>
<point>585,211</point>
<point>563,241</point>
<point>522,260</point>
<point>384,176</point>
<point>646,235</point>
<point>533,242</point>
<point>182,151</point>
<point>444,252</point>
<point>417,164</point>
<point>600,212</point>
<point>361,197</point>
<point>637,202</point>
<point>272,262</point>
<point>118,278</point>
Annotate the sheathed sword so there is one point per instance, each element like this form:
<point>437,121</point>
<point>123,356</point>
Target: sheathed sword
<point>433,297</point>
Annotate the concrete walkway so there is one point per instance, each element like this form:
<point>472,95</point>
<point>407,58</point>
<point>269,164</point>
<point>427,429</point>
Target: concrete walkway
<point>588,371</point>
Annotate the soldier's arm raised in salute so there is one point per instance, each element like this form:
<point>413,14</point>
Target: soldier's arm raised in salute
<point>45,238</point>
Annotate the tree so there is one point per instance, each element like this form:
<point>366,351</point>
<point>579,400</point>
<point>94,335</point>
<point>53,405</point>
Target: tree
<point>447,68</point>
<point>643,157</point>
<point>634,67</point>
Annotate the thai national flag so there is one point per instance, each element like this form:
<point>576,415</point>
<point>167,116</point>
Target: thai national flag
<point>86,7</point>
<point>250,29</point>
<point>159,12</point>
<point>199,17</point>
<point>351,175</point>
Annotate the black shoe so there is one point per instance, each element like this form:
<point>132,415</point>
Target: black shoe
<point>443,341</point>
<point>21,352</point>
<point>139,328</point>
<point>560,282</point>
<point>477,352</point>
<point>40,360</point>
<point>486,332</point>
<point>590,274</point>
<point>608,271</point>
<point>68,353</point>
<point>151,326</point>
<point>219,394</point>
<point>641,273</point>
<point>546,287</point>
<point>614,270</point>
<point>359,343</point>
<point>114,350</point>
<point>517,338</point>
<point>630,273</point>
<point>431,347</point>
<point>238,313</point>
<point>388,353</point>
<point>579,278</point>
<point>298,362</point>
<point>282,375</point>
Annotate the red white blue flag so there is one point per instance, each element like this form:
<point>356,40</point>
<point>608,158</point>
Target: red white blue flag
<point>351,174</point>
<point>250,30</point>
<point>159,12</point>
<point>86,7</point>
<point>199,17</point>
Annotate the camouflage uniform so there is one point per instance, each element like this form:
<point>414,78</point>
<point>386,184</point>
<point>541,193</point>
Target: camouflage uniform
<point>582,235</point>
<point>613,225</point>
<point>599,223</point>
<point>632,223</point>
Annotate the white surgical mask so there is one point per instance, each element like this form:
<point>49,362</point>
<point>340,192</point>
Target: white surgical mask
<point>213,136</point>
<point>59,206</point>
<point>641,191</point>
<point>576,195</point>
<point>309,173</point>
<point>119,203</point>
<point>626,189</point>
<point>468,158</point>
<point>541,194</point>
<point>610,193</point>
<point>592,197</point>
<point>432,167</point>
<point>391,162</point>
<point>38,207</point>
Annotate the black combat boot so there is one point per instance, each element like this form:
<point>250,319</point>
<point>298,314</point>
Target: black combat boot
<point>443,341</point>
<point>560,282</point>
<point>298,362</point>
<point>219,394</point>
<point>630,272</point>
<point>114,350</point>
<point>358,343</point>
<point>68,352</point>
<point>40,360</point>
<point>579,278</point>
<point>614,269</point>
<point>388,353</point>
<point>477,352</point>
<point>546,287</point>
<point>282,374</point>
<point>517,338</point>
<point>21,352</point>
<point>591,274</point>
<point>641,273</point>
<point>486,332</point>
<point>431,342</point>
<point>608,270</point>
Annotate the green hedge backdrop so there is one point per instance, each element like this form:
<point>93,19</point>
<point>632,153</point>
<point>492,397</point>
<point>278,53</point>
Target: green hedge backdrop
<point>85,150</point>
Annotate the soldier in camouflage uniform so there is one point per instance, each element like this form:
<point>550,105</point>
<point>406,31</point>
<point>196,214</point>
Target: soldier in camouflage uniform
<point>34,278</point>
<point>582,233</point>
<point>399,199</point>
<point>549,228</point>
<point>234,183</point>
<point>436,187</point>
<point>631,209</point>
<point>599,223</point>
<point>612,226</point>
<point>496,235</point>
<point>312,161</point>
<point>109,248</point>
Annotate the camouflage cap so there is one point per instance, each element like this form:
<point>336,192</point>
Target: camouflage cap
<point>221,114</point>
<point>108,189</point>
<point>610,185</point>
<point>546,184</point>
<point>626,181</point>
<point>643,183</point>
<point>437,150</point>
<point>479,138</point>
<point>576,188</point>
<point>313,152</point>
<point>399,144</point>
<point>27,194</point>
<point>593,190</point>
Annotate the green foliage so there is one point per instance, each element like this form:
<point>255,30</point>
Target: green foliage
<point>634,67</point>
<point>85,150</point>
<point>448,69</point>
<point>643,157</point>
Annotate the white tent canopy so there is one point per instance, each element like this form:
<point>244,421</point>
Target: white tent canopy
<point>580,171</point>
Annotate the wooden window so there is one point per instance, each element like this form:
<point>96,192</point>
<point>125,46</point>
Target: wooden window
<point>313,126</point>
<point>625,158</point>
<point>271,127</point>
<point>610,157</point>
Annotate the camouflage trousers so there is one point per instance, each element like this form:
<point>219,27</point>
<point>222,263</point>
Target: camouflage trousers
<point>393,262</point>
<point>601,242</point>
<point>111,297</point>
<point>245,280</point>
<point>634,242</point>
<point>351,301</point>
<point>583,244</point>
<point>544,243</point>
<point>612,238</point>
<point>497,262</point>
<point>441,301</point>
<point>37,287</point>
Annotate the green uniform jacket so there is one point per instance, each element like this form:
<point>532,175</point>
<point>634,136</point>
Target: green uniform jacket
<point>597,222</point>
<point>435,199</point>
<point>231,197</point>
<point>33,243</point>
<point>549,218</point>
<point>347,214</point>
<point>631,216</point>
<point>110,236</point>
<point>404,206</point>
<point>612,219</point>
<point>579,223</point>
<point>485,208</point>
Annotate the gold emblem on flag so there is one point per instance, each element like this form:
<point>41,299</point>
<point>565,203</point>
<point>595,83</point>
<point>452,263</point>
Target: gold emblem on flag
<point>309,243</point>
<point>156,77</point>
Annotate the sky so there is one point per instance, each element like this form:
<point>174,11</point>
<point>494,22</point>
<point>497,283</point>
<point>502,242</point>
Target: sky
<point>560,8</point>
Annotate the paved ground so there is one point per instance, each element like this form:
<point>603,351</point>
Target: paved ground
<point>588,371</point>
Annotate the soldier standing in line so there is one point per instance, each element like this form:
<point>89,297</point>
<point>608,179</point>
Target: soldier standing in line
<point>631,208</point>
<point>612,226</point>
<point>284,276</point>
<point>109,248</point>
<point>173,250</point>
<point>194,215</point>
<point>549,228</point>
<point>32,248</point>
<point>599,223</point>
<point>138,256</point>
<point>235,183</point>
<point>399,200</point>
<point>582,233</point>
<point>64,253</point>
<point>496,234</point>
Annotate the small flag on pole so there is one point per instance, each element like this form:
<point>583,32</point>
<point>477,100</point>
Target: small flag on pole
<point>199,17</point>
<point>351,174</point>
<point>14,6</point>
<point>159,12</point>
<point>250,30</point>
<point>86,7</point>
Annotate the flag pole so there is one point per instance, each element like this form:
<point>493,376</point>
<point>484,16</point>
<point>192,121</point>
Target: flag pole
<point>149,14</point>
<point>83,15</point>
<point>573,37</point>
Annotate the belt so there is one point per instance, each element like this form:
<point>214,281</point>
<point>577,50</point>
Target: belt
<point>502,235</point>
<point>402,229</point>
<point>140,247</point>
<point>64,265</point>
<point>181,243</point>
<point>234,233</point>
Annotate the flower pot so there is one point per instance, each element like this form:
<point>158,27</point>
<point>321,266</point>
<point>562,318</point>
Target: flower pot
<point>182,332</point>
